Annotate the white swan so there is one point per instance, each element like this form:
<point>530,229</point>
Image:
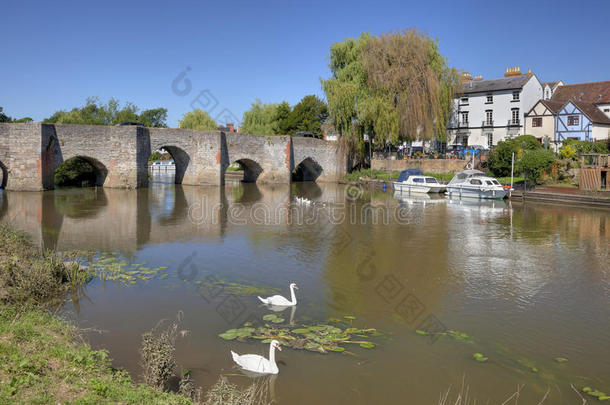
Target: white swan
<point>281,301</point>
<point>259,364</point>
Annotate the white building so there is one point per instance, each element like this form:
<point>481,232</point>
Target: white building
<point>548,88</point>
<point>489,111</point>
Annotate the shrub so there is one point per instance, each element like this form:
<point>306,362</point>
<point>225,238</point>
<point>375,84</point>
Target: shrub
<point>501,157</point>
<point>535,163</point>
<point>568,152</point>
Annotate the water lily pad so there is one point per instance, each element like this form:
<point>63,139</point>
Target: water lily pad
<point>561,359</point>
<point>479,357</point>
<point>273,318</point>
<point>350,317</point>
<point>367,345</point>
<point>301,331</point>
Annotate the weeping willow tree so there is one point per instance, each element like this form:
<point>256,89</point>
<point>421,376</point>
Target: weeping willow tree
<point>394,87</point>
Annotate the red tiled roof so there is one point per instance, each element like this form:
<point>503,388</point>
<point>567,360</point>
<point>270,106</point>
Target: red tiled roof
<point>592,112</point>
<point>553,106</point>
<point>594,92</point>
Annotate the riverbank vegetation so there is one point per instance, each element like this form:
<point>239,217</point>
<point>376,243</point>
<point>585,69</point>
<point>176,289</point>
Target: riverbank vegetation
<point>44,359</point>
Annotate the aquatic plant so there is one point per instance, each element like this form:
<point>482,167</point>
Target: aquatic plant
<point>479,357</point>
<point>596,393</point>
<point>111,266</point>
<point>235,288</point>
<point>322,338</point>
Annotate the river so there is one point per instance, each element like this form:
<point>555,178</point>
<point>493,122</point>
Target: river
<point>527,283</point>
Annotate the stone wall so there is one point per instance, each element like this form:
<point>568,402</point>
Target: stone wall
<point>437,166</point>
<point>32,152</point>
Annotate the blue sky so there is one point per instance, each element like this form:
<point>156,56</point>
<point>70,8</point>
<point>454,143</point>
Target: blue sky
<point>56,54</point>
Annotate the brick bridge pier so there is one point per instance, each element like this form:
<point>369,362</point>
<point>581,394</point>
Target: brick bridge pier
<point>30,153</point>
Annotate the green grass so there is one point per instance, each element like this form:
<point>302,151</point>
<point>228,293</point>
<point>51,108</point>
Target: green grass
<point>506,180</point>
<point>41,361</point>
<point>366,174</point>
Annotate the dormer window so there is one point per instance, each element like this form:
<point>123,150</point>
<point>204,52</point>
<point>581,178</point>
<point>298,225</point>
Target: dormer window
<point>490,98</point>
<point>516,95</point>
<point>464,100</point>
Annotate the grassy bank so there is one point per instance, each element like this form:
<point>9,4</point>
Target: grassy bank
<point>44,359</point>
<point>364,175</point>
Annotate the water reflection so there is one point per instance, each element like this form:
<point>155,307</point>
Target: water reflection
<point>527,277</point>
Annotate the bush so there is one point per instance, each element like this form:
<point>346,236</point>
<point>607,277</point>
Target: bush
<point>568,152</point>
<point>501,157</point>
<point>75,172</point>
<point>535,163</point>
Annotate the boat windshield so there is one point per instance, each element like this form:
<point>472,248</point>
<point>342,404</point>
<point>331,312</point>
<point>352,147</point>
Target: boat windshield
<point>462,177</point>
<point>431,180</point>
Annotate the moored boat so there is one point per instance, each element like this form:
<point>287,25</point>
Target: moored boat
<point>475,184</point>
<point>414,181</point>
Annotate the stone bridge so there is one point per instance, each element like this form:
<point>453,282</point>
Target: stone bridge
<point>30,153</point>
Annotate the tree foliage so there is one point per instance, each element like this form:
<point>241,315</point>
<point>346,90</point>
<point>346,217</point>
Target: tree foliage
<point>261,118</point>
<point>534,163</point>
<point>500,159</point>
<point>395,87</point>
<point>96,113</point>
<point>6,118</point>
<point>75,172</point>
<point>573,148</point>
<point>282,119</point>
<point>199,120</point>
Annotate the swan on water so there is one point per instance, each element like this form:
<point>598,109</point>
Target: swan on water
<point>281,301</point>
<point>259,364</point>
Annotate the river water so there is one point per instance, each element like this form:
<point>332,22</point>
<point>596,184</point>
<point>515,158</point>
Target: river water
<point>528,283</point>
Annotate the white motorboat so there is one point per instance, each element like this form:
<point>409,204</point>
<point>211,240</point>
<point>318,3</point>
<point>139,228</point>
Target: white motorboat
<point>414,181</point>
<point>475,184</point>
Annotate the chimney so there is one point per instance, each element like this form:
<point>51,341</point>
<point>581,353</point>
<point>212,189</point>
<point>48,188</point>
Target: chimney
<point>512,71</point>
<point>231,127</point>
<point>478,78</point>
<point>466,77</point>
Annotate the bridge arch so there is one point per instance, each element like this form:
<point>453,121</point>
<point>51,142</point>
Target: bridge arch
<point>3,175</point>
<point>181,159</point>
<point>251,168</point>
<point>307,170</point>
<point>84,169</point>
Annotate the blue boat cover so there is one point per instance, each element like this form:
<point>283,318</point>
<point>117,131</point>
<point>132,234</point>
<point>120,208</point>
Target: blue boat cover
<point>404,175</point>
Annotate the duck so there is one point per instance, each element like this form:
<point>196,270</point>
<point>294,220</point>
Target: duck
<point>256,363</point>
<point>279,300</point>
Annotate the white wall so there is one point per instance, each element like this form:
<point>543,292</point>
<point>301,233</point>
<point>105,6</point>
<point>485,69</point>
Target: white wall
<point>600,132</point>
<point>502,110</point>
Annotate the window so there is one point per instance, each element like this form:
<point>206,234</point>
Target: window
<point>418,180</point>
<point>572,120</point>
<point>430,180</point>
<point>490,140</point>
<point>489,183</point>
<point>489,117</point>
<point>490,99</point>
<point>537,122</point>
<point>475,181</point>
<point>516,95</point>
<point>606,109</point>
<point>515,116</point>
<point>464,100</point>
<point>465,117</point>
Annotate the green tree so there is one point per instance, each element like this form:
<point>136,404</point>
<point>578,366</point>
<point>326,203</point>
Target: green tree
<point>96,113</point>
<point>534,163</point>
<point>396,86</point>
<point>155,117</point>
<point>281,120</point>
<point>199,120</point>
<point>4,117</point>
<point>500,159</point>
<point>308,115</point>
<point>260,119</point>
